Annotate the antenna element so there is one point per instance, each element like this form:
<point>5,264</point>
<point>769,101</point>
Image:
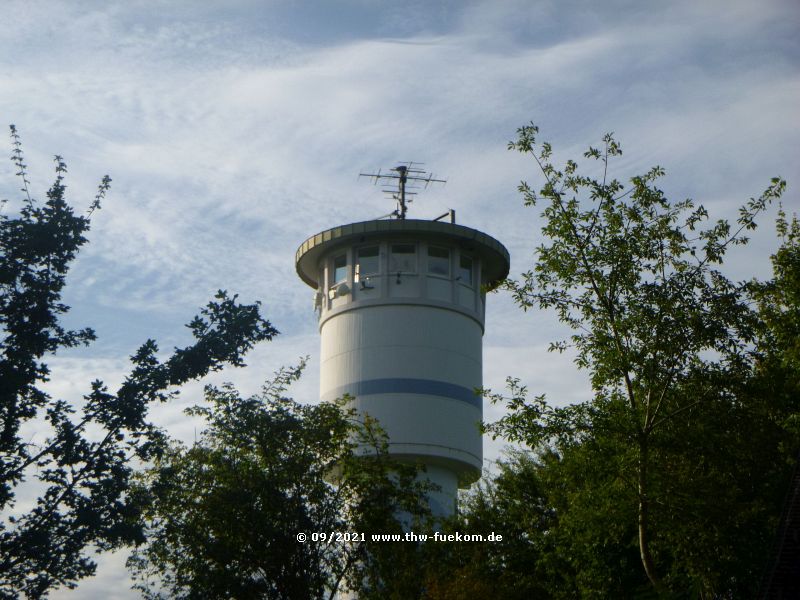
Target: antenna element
<point>400,176</point>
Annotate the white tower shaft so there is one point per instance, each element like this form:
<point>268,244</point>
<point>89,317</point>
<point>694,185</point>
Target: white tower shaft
<point>401,311</point>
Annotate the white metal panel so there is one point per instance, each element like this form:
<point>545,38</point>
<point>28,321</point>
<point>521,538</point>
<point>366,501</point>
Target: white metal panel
<point>414,368</point>
<point>404,285</point>
<point>428,426</point>
<point>439,288</point>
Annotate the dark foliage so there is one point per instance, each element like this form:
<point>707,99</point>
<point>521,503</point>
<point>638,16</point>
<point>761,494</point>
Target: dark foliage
<point>223,516</point>
<point>83,467</point>
<point>681,458</point>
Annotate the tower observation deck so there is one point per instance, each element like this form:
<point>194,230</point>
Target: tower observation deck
<point>401,306</point>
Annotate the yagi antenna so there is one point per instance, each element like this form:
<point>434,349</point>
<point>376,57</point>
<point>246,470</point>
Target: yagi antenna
<point>396,182</point>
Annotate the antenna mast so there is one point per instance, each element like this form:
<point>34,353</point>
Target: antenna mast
<point>400,176</point>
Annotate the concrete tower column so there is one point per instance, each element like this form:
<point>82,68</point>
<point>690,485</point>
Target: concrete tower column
<point>401,306</point>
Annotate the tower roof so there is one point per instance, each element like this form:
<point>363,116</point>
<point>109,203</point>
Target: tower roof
<point>493,254</point>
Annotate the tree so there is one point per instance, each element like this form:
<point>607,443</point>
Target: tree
<point>84,466</point>
<point>511,503</point>
<point>779,300</point>
<point>718,491</point>
<point>778,376</point>
<point>224,516</point>
<point>668,341</point>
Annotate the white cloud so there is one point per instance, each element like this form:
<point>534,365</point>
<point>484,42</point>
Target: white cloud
<point>233,131</point>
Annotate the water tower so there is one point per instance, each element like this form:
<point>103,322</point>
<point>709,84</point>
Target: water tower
<point>401,305</point>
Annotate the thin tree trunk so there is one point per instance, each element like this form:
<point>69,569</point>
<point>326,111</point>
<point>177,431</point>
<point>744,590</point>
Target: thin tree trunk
<point>644,517</point>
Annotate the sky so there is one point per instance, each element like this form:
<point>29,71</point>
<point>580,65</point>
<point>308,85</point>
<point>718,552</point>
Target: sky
<point>233,130</point>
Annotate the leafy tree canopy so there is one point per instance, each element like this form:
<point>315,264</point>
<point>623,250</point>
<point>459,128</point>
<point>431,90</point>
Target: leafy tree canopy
<point>223,515</point>
<point>682,452</point>
<point>84,477</point>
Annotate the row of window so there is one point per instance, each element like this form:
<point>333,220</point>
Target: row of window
<point>402,259</point>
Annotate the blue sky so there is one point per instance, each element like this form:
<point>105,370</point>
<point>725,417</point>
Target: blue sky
<point>234,130</point>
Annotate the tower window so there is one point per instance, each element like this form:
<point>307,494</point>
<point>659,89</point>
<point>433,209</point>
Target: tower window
<point>367,262</point>
<point>403,258</point>
<point>465,268</point>
<point>339,268</point>
<point>438,261</point>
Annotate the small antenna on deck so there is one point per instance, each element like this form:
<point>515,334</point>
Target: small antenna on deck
<point>400,176</point>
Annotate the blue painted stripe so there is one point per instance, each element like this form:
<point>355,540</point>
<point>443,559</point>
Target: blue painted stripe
<point>396,385</point>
